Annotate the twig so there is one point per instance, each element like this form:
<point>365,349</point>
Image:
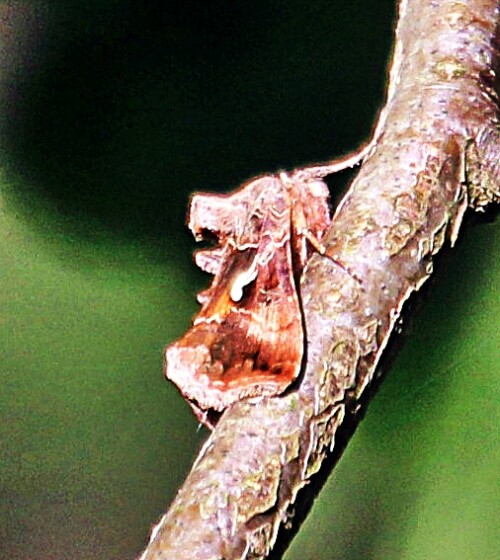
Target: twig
<point>435,153</point>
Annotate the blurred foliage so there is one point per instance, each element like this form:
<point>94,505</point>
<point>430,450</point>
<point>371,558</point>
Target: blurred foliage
<point>112,114</point>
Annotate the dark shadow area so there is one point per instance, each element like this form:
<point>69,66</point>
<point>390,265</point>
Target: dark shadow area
<point>338,183</point>
<point>128,107</point>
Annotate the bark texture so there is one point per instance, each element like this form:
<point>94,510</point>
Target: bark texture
<point>434,154</point>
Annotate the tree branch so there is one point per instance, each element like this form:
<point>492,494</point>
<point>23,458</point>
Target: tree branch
<point>435,153</point>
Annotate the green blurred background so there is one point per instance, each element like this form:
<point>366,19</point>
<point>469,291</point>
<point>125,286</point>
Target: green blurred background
<point>112,113</point>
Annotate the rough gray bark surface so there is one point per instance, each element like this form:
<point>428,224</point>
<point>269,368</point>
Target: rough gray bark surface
<point>435,154</point>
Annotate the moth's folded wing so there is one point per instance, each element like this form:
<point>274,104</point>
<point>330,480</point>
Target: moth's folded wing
<point>246,348</point>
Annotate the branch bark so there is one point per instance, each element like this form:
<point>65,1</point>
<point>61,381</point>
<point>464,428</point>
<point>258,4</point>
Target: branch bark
<point>435,153</point>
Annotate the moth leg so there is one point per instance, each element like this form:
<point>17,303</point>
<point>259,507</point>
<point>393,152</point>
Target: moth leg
<point>336,259</point>
<point>313,241</point>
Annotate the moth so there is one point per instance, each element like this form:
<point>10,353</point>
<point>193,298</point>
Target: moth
<point>248,337</point>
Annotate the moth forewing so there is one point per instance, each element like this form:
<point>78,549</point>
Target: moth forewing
<point>248,340</point>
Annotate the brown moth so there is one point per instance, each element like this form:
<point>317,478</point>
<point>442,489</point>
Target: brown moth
<point>248,338</point>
